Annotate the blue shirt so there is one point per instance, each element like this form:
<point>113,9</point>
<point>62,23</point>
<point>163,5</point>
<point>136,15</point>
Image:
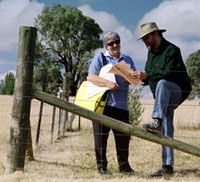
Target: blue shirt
<point>119,97</point>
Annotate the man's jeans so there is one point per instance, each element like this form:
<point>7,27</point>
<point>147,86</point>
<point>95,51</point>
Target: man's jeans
<point>167,99</point>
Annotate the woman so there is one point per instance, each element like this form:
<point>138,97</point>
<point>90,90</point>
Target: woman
<point>117,105</point>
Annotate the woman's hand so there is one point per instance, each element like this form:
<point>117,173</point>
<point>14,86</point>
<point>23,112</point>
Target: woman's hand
<point>111,85</point>
<point>101,82</point>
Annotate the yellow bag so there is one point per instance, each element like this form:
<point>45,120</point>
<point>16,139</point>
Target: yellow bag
<point>95,103</point>
<point>101,102</point>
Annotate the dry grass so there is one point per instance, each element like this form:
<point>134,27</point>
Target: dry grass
<point>72,157</point>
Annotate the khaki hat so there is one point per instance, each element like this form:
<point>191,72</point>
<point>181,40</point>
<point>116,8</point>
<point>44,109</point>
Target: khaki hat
<point>147,28</point>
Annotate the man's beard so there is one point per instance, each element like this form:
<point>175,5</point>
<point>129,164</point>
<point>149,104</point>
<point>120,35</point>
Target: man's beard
<point>150,47</point>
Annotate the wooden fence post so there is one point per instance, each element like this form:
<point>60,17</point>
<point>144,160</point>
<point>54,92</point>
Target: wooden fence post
<point>20,123</point>
<point>65,97</point>
<point>29,148</point>
<point>63,112</point>
<point>53,118</point>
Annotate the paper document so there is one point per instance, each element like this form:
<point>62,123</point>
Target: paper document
<point>104,73</point>
<point>124,70</point>
<point>108,72</point>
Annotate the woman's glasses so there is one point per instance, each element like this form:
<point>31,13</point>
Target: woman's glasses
<point>112,43</point>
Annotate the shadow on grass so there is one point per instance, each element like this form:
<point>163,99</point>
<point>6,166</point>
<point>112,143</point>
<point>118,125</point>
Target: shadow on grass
<point>61,164</point>
<point>188,172</point>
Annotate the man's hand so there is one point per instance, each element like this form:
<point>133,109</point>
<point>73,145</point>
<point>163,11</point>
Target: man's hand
<point>139,74</point>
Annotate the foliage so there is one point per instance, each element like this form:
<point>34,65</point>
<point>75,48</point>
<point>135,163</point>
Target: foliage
<point>8,84</point>
<point>2,86</point>
<point>47,75</point>
<point>193,67</point>
<point>135,106</point>
<point>70,38</point>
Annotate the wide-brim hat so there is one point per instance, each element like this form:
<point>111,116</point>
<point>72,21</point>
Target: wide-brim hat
<point>147,28</point>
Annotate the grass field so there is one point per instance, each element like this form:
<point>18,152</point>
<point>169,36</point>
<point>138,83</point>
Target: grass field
<point>72,158</point>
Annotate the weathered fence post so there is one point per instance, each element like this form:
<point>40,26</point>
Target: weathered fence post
<point>53,117</point>
<point>59,119</point>
<point>29,148</point>
<point>39,123</point>
<point>20,123</point>
<point>64,118</point>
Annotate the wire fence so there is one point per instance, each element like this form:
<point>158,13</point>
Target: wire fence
<point>187,115</point>
<point>76,149</point>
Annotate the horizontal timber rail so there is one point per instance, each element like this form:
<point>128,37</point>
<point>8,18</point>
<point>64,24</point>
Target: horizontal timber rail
<point>116,124</point>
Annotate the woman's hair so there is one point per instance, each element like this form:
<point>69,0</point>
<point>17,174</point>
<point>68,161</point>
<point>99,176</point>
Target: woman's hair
<point>110,35</point>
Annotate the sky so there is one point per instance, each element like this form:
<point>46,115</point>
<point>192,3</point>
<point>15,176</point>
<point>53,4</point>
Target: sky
<point>181,19</point>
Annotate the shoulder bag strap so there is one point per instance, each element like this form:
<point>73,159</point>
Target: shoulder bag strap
<point>104,59</point>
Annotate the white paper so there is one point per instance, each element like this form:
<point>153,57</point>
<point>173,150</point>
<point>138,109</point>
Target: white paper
<point>124,70</point>
<point>94,89</point>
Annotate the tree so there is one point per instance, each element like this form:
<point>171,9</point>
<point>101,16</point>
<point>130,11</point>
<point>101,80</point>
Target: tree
<point>8,84</point>
<point>2,86</point>
<point>193,67</point>
<point>70,38</point>
<point>47,75</point>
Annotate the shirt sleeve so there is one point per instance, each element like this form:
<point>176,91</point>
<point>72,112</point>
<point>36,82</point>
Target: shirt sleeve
<point>96,64</point>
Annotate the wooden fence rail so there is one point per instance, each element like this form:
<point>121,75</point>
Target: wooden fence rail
<point>116,124</point>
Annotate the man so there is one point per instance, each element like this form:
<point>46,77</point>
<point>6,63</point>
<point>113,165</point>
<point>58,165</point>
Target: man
<point>116,107</point>
<point>167,77</point>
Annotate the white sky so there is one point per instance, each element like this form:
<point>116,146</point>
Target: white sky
<point>181,18</point>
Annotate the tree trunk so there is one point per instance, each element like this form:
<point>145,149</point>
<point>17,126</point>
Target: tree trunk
<point>73,89</point>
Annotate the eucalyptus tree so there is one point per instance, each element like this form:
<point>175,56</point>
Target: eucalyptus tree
<point>193,67</point>
<point>47,74</point>
<point>70,38</point>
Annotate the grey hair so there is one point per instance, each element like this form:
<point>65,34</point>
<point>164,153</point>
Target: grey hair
<point>110,35</point>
